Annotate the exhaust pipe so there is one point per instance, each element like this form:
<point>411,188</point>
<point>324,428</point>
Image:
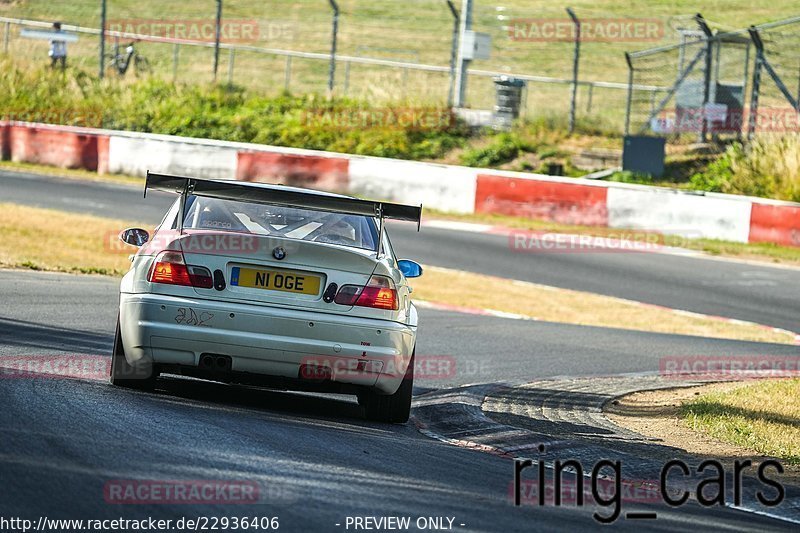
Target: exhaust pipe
<point>219,363</point>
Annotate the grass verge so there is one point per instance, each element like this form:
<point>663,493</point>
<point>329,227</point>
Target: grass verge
<point>553,304</point>
<point>45,239</point>
<point>763,416</point>
<point>660,416</point>
<point>70,173</point>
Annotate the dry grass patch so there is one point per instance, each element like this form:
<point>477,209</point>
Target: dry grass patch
<point>46,239</point>
<point>71,173</point>
<point>763,416</point>
<point>552,304</point>
<point>708,420</point>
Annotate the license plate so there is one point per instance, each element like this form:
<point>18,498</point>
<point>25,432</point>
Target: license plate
<point>276,280</point>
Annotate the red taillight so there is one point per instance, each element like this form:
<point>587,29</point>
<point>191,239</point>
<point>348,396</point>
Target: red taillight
<point>382,298</point>
<point>170,268</point>
<point>379,293</point>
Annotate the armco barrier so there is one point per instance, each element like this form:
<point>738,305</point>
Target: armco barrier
<point>443,187</point>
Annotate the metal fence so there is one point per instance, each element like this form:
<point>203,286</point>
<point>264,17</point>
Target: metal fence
<point>573,65</point>
<point>718,84</point>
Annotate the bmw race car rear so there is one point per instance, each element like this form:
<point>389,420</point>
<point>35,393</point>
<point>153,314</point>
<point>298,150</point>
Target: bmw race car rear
<point>252,292</point>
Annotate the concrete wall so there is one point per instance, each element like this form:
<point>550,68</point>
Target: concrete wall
<point>679,213</point>
<point>442,187</point>
<point>136,155</point>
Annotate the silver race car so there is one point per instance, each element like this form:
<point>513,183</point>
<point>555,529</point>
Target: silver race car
<point>274,286</point>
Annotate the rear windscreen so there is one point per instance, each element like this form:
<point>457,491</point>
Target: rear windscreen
<point>356,231</point>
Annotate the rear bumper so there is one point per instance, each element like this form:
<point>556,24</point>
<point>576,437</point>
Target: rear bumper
<point>268,341</point>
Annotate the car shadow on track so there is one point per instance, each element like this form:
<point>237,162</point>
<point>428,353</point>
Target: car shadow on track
<point>259,398</point>
<point>328,407</point>
<point>26,336</point>
<point>337,409</point>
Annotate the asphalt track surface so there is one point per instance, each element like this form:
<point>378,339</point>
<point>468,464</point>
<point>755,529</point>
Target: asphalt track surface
<point>314,458</point>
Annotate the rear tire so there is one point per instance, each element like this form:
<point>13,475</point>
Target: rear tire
<point>125,375</point>
<point>392,408</point>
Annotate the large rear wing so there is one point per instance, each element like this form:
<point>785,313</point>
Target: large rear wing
<point>263,193</point>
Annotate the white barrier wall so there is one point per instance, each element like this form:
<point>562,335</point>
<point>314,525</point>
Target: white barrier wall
<point>135,155</point>
<point>679,213</point>
<point>442,187</point>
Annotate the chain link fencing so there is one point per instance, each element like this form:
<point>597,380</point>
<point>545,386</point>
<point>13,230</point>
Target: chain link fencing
<point>408,57</point>
<point>718,83</point>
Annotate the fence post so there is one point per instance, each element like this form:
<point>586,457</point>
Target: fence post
<point>217,35</point>
<point>524,106</point>
<point>334,37</point>
<point>453,53</point>
<point>709,59</point>
<point>231,59</point>
<point>6,35</point>
<point>462,64</point>
<point>759,44</point>
<point>175,52</point>
<point>589,98</point>
<point>798,86</point>
<point>575,62</point>
<point>630,94</point>
<point>746,73</point>
<point>103,13</point>
<point>287,73</point>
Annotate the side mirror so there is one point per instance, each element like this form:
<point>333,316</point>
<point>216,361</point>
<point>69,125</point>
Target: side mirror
<point>134,236</point>
<point>410,269</point>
